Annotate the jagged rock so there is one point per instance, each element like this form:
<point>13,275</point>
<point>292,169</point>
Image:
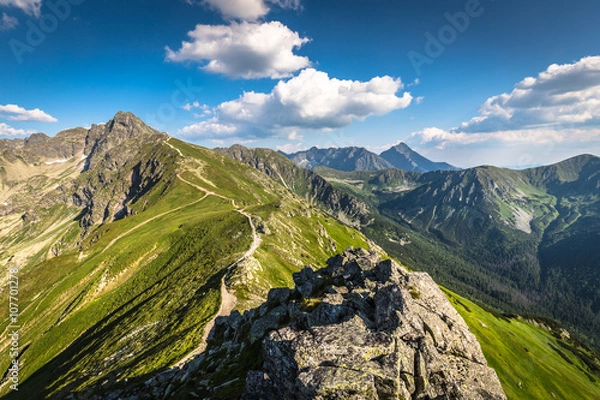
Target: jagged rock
<point>381,343</point>
<point>278,296</point>
<point>270,320</point>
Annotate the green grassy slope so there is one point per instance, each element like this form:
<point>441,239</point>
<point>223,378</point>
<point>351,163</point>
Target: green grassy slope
<point>134,296</point>
<point>138,292</point>
<point>533,359</point>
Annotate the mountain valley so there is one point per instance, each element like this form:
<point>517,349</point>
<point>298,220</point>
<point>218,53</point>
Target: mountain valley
<point>522,241</point>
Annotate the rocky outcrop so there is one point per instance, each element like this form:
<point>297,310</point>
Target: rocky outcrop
<point>373,331</point>
<point>360,328</point>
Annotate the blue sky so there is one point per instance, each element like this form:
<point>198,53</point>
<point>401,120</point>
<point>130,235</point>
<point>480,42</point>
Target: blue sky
<point>508,83</point>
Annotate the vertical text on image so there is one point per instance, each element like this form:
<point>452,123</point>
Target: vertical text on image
<point>13,328</point>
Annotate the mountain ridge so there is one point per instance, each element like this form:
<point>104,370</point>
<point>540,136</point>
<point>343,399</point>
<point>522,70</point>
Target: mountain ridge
<point>139,288</point>
<point>302,181</point>
<point>344,159</point>
<point>360,159</point>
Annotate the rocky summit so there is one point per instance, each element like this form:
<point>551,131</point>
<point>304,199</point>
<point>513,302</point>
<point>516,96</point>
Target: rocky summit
<point>364,328</point>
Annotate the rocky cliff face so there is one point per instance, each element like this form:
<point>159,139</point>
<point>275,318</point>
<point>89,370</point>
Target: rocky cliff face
<point>361,328</point>
<point>101,171</point>
<point>123,162</point>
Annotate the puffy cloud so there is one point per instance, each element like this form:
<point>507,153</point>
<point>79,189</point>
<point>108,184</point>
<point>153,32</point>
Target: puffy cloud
<point>560,104</point>
<point>244,50</point>
<point>240,9</point>
<point>13,112</point>
<point>312,100</point>
<point>7,130</point>
<point>441,138</point>
<point>191,106</point>
<point>195,105</point>
<point>205,109</point>
<point>250,10</point>
<point>7,22</point>
<point>290,148</point>
<point>213,126</point>
<point>563,95</point>
<point>31,7</point>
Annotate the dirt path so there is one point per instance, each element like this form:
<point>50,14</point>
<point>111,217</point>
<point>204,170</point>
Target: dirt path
<point>173,147</point>
<point>228,300</point>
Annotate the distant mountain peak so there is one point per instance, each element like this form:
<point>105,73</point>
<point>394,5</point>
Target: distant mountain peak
<point>403,147</point>
<point>127,124</point>
<point>36,137</point>
<point>343,159</point>
<point>354,158</point>
<point>124,114</point>
<point>401,156</point>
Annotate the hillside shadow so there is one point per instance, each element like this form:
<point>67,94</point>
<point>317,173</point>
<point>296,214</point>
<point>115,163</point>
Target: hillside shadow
<point>43,383</point>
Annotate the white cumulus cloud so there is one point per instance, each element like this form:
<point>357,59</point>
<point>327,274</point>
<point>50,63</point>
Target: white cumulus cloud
<point>240,9</point>
<point>244,50</point>
<point>249,10</point>
<point>7,22</point>
<point>13,112</point>
<point>290,148</point>
<point>312,100</point>
<point>561,104</point>
<point>31,7</point>
<point>7,130</point>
